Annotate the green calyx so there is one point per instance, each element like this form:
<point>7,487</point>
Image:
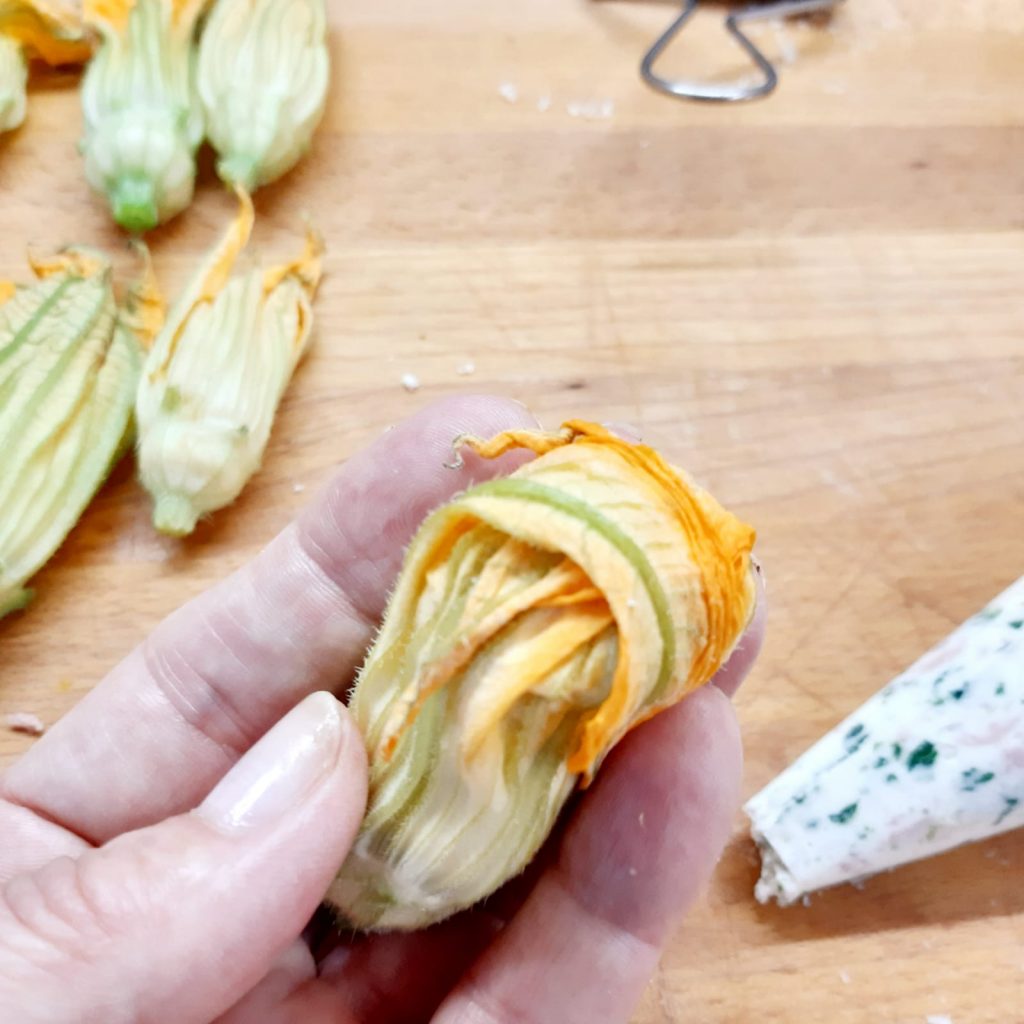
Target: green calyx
<point>133,202</point>
<point>15,600</point>
<point>239,170</point>
<point>174,515</point>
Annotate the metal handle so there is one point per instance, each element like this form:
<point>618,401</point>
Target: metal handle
<point>736,92</point>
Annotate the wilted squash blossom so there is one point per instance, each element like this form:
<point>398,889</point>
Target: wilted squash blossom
<point>536,620</point>
<point>143,123</point>
<point>216,374</point>
<point>34,30</point>
<point>262,80</point>
<point>69,366</point>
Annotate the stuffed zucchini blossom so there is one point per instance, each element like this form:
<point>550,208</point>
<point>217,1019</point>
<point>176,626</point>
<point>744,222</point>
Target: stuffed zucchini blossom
<point>537,620</point>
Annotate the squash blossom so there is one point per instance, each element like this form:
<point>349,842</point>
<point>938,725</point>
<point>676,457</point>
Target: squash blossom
<point>216,374</point>
<point>34,30</point>
<point>262,80</point>
<point>536,620</point>
<point>143,123</point>
<point>68,372</point>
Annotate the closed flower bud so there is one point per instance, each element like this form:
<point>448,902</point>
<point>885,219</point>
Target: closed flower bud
<point>215,376</point>
<point>142,120</point>
<point>262,80</point>
<point>536,620</point>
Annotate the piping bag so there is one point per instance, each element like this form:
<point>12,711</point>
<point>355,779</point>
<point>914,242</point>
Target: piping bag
<point>933,760</point>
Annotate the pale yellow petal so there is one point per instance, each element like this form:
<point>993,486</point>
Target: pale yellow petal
<point>206,282</point>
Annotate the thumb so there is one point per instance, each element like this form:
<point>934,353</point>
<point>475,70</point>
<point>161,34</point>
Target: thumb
<point>177,921</point>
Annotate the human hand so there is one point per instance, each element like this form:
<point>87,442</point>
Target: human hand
<point>160,860</point>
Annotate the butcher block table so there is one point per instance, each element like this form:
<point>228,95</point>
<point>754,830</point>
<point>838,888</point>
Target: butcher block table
<point>814,302</point>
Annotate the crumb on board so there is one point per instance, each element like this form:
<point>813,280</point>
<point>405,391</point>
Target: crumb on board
<point>544,104</point>
<point>509,92</point>
<point>410,382</point>
<point>844,977</point>
<point>938,1018</point>
<point>806,900</point>
<point>298,488</point>
<point>24,722</point>
<point>591,110</point>
<point>466,369</point>
<point>641,818</point>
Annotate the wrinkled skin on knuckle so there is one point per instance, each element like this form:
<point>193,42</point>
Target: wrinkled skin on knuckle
<point>51,925</point>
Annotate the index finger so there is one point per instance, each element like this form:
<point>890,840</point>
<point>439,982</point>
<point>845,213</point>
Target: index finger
<point>153,738</point>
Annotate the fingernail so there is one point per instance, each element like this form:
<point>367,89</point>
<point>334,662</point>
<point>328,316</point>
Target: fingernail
<point>282,769</point>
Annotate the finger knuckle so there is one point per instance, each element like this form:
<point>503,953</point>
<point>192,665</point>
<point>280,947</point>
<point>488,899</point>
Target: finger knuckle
<point>56,914</point>
<point>192,692</point>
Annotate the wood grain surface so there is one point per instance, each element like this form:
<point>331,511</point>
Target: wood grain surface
<point>813,302</point>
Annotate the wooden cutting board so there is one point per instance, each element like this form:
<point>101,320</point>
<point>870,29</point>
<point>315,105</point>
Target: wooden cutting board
<point>813,302</point>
